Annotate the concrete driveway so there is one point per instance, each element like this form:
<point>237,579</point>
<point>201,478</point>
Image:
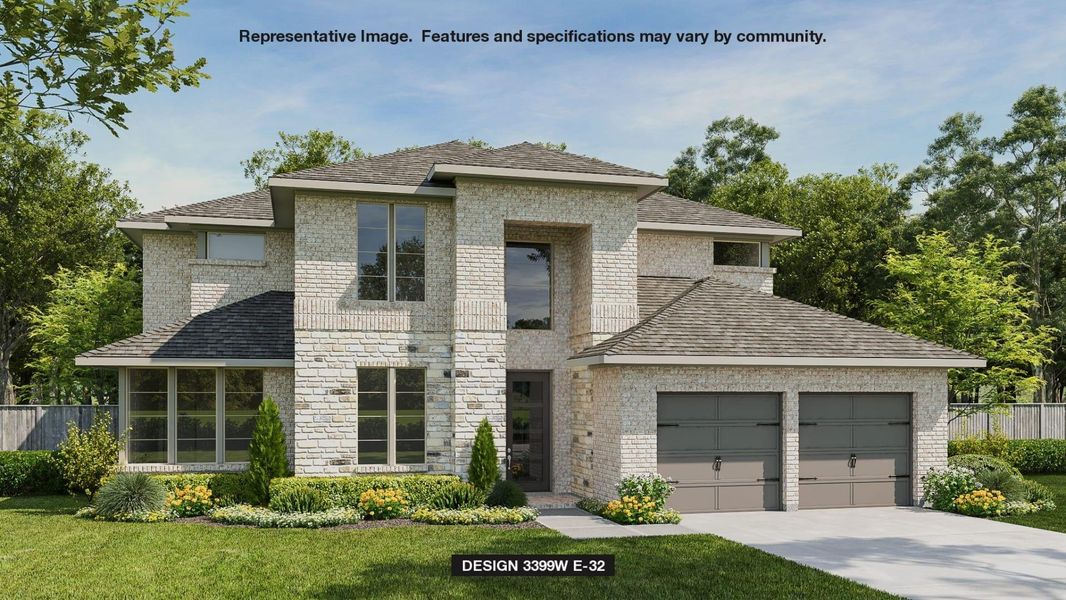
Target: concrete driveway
<point>907,551</point>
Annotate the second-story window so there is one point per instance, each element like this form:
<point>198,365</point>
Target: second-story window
<point>392,252</point>
<point>230,246</point>
<point>737,254</point>
<point>528,282</point>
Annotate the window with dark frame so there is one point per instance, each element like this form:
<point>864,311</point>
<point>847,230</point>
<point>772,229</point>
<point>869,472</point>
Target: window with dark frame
<point>528,285</point>
<point>392,416</point>
<point>244,394</point>
<point>738,254</point>
<point>147,416</point>
<point>196,414</point>
<point>392,252</point>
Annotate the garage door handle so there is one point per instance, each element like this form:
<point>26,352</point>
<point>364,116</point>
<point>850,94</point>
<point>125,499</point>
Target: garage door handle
<point>808,478</point>
<point>852,461</point>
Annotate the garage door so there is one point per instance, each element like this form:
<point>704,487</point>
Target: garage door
<point>854,450</point>
<point>721,450</point>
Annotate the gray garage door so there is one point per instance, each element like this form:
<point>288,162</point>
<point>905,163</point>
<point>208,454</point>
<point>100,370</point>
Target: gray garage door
<point>854,450</point>
<point>722,450</point>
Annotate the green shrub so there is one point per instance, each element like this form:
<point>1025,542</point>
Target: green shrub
<point>506,493</point>
<point>991,444</point>
<point>25,472</point>
<point>299,500</point>
<point>88,457</point>
<point>653,486</point>
<point>457,495</point>
<point>130,494</point>
<point>1036,492</point>
<point>1010,485</point>
<point>484,469</point>
<point>89,512</point>
<point>484,515</point>
<point>591,505</point>
<point>1039,456</point>
<point>226,488</point>
<point>242,514</point>
<point>266,452</point>
<point>344,492</point>
<point>944,484</point>
<point>981,464</point>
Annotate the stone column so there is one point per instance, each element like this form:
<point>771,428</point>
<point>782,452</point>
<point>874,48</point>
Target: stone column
<point>790,450</point>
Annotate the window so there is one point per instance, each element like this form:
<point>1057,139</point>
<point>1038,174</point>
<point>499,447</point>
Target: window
<point>738,254</point>
<point>148,416</point>
<point>392,252</point>
<point>196,415</point>
<point>392,416</point>
<point>244,393</point>
<point>528,285</point>
<point>230,246</point>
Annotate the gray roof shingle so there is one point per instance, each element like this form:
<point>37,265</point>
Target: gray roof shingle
<point>716,318</point>
<point>661,207</point>
<point>260,327</point>
<point>249,205</point>
<point>654,293</point>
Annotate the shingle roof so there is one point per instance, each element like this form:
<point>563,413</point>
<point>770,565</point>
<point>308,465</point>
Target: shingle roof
<point>260,327</point>
<point>661,207</point>
<point>249,205</point>
<point>716,318</point>
<point>654,293</point>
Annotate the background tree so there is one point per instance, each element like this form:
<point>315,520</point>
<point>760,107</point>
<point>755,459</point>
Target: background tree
<point>731,146</point>
<point>296,151</point>
<point>55,211</point>
<point>81,57</point>
<point>970,300</point>
<point>87,308</point>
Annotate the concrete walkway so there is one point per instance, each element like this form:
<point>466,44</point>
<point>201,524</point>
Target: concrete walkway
<point>906,551</point>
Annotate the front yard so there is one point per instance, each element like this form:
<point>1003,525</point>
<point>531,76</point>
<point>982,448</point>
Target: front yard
<point>1054,520</point>
<point>46,552</point>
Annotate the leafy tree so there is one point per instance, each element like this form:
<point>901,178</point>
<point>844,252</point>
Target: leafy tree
<point>848,222</point>
<point>81,57</point>
<point>731,146</point>
<point>968,299</point>
<point>266,452</point>
<point>55,211</point>
<point>484,469</point>
<point>87,308</point>
<point>295,151</point>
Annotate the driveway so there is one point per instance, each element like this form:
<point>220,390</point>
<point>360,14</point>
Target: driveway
<point>906,551</point>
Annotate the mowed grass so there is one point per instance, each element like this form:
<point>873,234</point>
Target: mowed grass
<point>45,552</point>
<point>1054,520</point>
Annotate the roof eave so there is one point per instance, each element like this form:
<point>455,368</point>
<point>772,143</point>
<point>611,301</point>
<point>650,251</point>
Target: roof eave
<point>645,185</point>
<point>369,188</point>
<point>144,361</point>
<point>775,234</point>
<point>774,361</point>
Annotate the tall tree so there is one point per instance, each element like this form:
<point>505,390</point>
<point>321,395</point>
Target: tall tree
<point>81,57</point>
<point>731,146</point>
<point>296,151</point>
<point>55,211</point>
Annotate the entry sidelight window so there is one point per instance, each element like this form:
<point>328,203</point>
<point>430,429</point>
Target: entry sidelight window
<point>392,252</point>
<point>392,416</point>
<point>528,285</point>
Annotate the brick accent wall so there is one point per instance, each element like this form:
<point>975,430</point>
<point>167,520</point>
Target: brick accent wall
<point>680,254</point>
<point>756,278</point>
<point>167,293</point>
<point>216,283</point>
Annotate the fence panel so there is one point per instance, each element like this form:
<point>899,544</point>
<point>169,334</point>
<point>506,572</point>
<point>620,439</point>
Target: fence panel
<point>42,427</point>
<point>1022,422</point>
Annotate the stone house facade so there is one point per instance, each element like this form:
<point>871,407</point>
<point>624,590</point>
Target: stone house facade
<point>602,327</point>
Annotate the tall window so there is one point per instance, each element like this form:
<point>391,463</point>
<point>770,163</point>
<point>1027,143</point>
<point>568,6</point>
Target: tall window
<point>528,285</point>
<point>244,393</point>
<point>392,416</point>
<point>230,246</point>
<point>196,415</point>
<point>148,416</point>
<point>392,252</point>
<point>738,254</point>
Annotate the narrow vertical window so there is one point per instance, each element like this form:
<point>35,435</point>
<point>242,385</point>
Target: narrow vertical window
<point>196,416</point>
<point>244,393</point>
<point>148,416</point>
<point>410,253</point>
<point>410,416</point>
<point>392,252</point>
<point>373,415</point>
<point>528,285</point>
<point>373,242</point>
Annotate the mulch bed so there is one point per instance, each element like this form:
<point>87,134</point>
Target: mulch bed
<point>362,524</point>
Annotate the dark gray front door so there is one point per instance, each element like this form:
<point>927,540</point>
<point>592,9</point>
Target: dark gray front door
<point>722,450</point>
<point>855,450</point>
<point>528,429</point>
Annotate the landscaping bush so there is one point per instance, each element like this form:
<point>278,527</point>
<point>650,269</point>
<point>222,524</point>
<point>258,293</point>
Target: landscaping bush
<point>981,463</point>
<point>266,452</point>
<point>591,505</point>
<point>344,492</point>
<point>652,486</point>
<point>1008,484</point>
<point>981,503</point>
<point>130,494</point>
<point>226,488</point>
<point>457,495</point>
<point>484,468</point>
<point>506,493</point>
<point>485,515</point>
<point>89,512</point>
<point>944,484</point>
<point>25,472</point>
<point>299,500</point>
<point>190,501</point>
<point>380,503</point>
<point>1039,456</point>
<point>991,444</point>
<point>1036,492</point>
<point>87,457</point>
<point>243,514</point>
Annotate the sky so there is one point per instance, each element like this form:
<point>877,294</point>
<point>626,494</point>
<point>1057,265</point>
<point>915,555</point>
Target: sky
<point>874,91</point>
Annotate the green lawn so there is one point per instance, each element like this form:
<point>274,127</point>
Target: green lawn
<point>45,552</point>
<point>1054,520</point>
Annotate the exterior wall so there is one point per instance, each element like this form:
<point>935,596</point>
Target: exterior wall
<point>278,384</point>
<point>756,278</point>
<point>216,283</point>
<point>679,254</point>
<point>167,277</point>
<point>626,405</point>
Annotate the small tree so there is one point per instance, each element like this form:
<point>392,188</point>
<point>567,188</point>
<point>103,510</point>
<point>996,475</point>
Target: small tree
<point>266,452</point>
<point>88,457</point>
<point>484,468</point>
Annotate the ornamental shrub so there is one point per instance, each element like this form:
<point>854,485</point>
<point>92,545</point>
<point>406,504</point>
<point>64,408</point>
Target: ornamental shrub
<point>243,514</point>
<point>190,501</point>
<point>226,488</point>
<point>991,444</point>
<point>944,484</point>
<point>484,468</point>
<point>85,458</point>
<point>483,515</point>
<point>1011,486</point>
<point>652,486</point>
<point>457,495</point>
<point>90,512</point>
<point>130,494</point>
<point>591,505</point>
<point>981,503</point>
<point>379,503</point>
<point>1036,492</point>
<point>344,492</point>
<point>1039,456</point>
<point>25,472</point>
<point>266,452</point>
<point>299,500</point>
<point>506,493</point>
<point>982,463</point>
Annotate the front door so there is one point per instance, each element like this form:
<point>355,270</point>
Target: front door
<point>528,434</point>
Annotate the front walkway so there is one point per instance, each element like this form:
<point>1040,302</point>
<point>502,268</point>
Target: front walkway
<point>907,551</point>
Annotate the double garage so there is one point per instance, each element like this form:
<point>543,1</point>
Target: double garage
<point>723,451</point>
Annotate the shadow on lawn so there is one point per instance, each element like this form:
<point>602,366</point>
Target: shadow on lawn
<point>42,506</point>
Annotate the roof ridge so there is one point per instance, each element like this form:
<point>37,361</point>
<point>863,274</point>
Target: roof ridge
<point>620,337</point>
<point>542,146</point>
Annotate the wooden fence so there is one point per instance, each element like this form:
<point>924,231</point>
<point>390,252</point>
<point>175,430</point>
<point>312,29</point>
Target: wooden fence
<point>42,427</point>
<point>1022,422</point>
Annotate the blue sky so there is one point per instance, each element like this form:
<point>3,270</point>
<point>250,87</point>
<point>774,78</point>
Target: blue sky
<point>876,91</point>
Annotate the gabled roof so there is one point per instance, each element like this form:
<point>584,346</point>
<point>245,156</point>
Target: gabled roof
<point>661,207</point>
<point>256,331</point>
<point>715,322</point>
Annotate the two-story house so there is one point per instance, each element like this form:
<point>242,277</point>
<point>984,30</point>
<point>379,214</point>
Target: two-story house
<point>603,328</point>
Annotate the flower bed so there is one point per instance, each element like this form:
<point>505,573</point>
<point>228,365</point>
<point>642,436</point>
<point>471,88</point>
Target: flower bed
<point>990,489</point>
<point>89,512</point>
<point>242,514</point>
<point>484,515</point>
